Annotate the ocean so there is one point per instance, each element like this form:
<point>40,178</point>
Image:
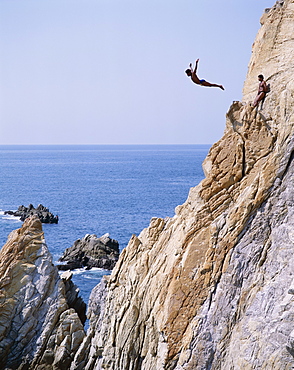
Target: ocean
<point>113,189</point>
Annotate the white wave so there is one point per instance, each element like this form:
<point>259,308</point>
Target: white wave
<point>57,262</point>
<point>83,270</point>
<point>74,272</point>
<point>93,277</point>
<point>9,217</point>
<point>95,269</point>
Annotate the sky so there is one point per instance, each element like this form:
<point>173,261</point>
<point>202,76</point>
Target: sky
<point>112,71</point>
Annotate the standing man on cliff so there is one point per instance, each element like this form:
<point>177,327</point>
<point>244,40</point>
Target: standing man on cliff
<point>262,90</point>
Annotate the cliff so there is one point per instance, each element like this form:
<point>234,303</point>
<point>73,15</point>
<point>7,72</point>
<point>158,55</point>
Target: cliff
<point>40,327</point>
<point>210,288</point>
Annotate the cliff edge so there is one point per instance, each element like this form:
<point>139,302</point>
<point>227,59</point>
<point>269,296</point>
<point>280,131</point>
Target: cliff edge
<point>212,287</point>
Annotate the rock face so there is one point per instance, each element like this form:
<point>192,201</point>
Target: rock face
<point>212,287</point>
<point>91,252</point>
<point>38,329</point>
<point>42,212</point>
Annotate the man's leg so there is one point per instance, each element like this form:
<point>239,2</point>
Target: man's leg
<point>258,98</point>
<point>208,84</point>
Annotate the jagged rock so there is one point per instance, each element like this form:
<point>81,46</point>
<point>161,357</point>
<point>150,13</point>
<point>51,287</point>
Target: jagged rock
<point>72,296</point>
<point>42,212</point>
<point>91,252</point>
<point>35,317</point>
<point>87,354</point>
<point>209,288</point>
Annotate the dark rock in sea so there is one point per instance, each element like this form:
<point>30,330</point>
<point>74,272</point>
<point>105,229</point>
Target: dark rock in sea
<point>91,251</point>
<point>42,212</point>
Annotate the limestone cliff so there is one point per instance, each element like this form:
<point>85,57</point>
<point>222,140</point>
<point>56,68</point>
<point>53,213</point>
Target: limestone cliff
<point>38,329</point>
<point>212,287</point>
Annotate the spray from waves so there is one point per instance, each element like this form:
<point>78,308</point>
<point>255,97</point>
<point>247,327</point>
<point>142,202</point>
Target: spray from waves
<point>9,217</point>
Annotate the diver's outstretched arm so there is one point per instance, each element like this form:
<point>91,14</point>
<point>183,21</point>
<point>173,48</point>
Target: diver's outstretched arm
<point>196,65</point>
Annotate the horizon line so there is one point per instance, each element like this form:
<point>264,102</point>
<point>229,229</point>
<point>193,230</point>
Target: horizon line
<point>2,145</point>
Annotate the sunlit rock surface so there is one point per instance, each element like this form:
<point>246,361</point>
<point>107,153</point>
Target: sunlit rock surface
<point>211,288</point>
<point>38,330</point>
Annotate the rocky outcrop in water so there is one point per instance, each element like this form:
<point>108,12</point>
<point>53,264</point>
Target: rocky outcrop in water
<point>91,252</point>
<point>38,327</point>
<point>42,212</point>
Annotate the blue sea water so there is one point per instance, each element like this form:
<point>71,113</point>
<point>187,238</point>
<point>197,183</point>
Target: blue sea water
<point>96,190</point>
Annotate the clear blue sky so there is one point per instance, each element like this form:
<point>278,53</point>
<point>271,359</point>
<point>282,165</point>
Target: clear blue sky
<point>112,71</point>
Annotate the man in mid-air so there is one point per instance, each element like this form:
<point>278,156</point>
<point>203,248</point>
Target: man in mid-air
<point>196,80</point>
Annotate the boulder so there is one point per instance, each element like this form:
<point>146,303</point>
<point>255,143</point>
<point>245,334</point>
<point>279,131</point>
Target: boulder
<point>91,251</point>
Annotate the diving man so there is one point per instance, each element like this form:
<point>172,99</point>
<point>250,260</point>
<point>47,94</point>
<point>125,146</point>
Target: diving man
<point>196,80</point>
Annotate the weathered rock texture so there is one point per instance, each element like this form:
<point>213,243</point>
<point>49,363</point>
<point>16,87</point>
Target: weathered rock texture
<point>212,287</point>
<point>91,251</point>
<point>38,329</point>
